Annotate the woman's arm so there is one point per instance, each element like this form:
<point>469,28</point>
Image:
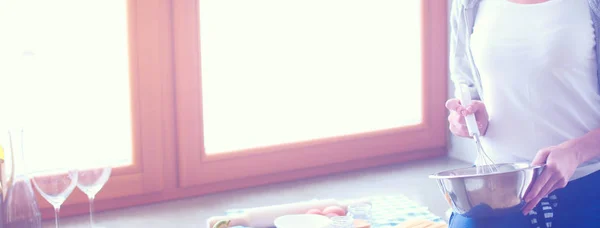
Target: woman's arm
<point>460,68</point>
<point>561,162</point>
<point>587,147</point>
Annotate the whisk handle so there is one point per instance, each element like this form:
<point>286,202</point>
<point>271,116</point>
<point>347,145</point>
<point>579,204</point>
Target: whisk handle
<point>465,100</point>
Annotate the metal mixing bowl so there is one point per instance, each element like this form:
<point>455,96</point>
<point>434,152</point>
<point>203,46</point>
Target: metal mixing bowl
<point>482,195</point>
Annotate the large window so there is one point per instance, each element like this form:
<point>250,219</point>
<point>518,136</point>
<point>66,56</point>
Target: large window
<point>198,96</point>
<point>277,72</point>
<point>266,87</point>
<point>84,79</point>
<point>67,81</point>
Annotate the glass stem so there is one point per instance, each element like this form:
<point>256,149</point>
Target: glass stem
<point>91,211</point>
<point>56,210</point>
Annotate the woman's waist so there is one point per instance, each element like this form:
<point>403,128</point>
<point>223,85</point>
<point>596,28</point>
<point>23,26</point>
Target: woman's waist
<point>521,146</point>
<point>518,145</point>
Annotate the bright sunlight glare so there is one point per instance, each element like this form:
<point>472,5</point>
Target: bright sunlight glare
<point>71,92</point>
<point>278,71</point>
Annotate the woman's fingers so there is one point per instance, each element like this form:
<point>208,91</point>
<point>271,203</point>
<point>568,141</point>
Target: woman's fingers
<point>547,188</point>
<point>453,104</point>
<point>459,129</point>
<point>541,157</point>
<point>456,118</point>
<point>475,107</point>
<point>543,184</point>
<point>460,122</point>
<point>458,113</point>
<point>539,183</point>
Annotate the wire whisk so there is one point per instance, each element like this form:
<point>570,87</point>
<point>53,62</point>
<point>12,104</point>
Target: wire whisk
<point>483,163</point>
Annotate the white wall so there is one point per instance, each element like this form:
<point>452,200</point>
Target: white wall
<point>459,148</point>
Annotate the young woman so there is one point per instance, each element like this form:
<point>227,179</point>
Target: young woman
<point>533,65</point>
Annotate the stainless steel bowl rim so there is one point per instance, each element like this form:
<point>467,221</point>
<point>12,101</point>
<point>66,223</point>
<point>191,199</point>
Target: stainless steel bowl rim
<point>437,176</point>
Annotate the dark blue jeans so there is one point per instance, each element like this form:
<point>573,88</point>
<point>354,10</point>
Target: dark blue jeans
<point>577,205</point>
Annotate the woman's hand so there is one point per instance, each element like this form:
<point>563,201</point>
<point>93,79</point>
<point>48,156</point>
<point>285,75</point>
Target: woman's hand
<point>561,162</point>
<point>456,119</point>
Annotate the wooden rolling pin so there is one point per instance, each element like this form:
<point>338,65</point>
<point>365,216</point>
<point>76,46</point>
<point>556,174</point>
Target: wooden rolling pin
<point>263,217</point>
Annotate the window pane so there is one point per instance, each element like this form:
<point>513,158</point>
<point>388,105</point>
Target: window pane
<point>72,93</point>
<point>285,71</point>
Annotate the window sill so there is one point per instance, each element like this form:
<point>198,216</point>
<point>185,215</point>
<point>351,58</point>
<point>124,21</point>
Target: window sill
<point>409,179</point>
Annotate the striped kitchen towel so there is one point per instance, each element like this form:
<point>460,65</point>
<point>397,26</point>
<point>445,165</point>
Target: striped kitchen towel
<point>388,211</point>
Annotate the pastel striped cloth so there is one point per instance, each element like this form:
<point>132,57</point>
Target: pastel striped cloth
<point>388,211</point>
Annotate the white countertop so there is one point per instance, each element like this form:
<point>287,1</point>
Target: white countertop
<point>409,179</point>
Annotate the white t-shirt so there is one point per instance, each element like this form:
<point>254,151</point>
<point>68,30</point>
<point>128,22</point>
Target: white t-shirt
<point>538,71</point>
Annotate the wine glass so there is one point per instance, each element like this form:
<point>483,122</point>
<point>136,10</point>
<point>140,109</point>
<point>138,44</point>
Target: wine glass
<point>91,182</point>
<point>55,186</point>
